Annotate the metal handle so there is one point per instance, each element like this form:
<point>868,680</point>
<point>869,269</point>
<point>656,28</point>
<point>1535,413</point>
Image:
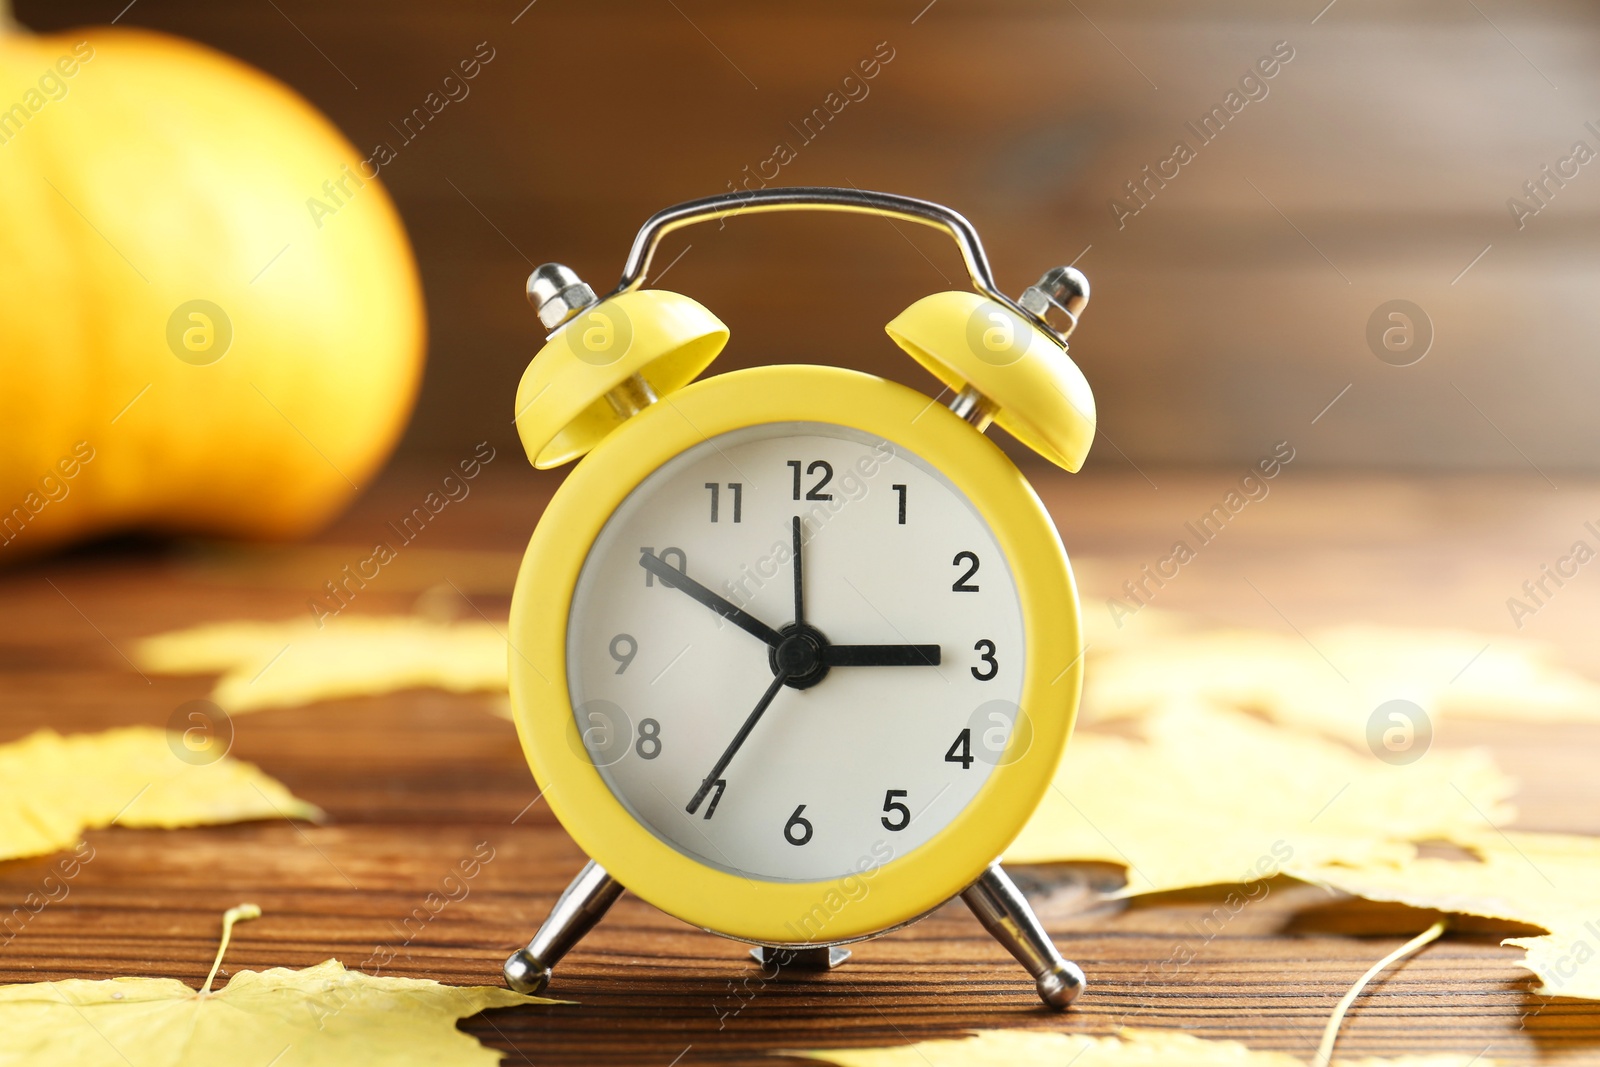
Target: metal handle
<point>856,201</point>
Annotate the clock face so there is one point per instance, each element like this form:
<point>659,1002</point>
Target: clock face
<point>844,731</point>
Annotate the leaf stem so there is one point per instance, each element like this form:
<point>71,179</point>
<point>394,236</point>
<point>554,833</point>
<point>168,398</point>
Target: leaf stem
<point>1330,1035</point>
<point>243,913</point>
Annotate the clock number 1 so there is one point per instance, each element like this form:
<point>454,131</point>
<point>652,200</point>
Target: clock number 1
<point>737,489</point>
<point>815,492</point>
<point>901,491</point>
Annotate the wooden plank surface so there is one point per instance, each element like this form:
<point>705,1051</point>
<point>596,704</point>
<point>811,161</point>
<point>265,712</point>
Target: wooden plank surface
<point>416,781</point>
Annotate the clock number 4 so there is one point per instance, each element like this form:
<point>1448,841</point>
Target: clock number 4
<point>892,805</point>
<point>815,492</point>
<point>960,750</point>
<point>737,489</point>
<point>797,831</point>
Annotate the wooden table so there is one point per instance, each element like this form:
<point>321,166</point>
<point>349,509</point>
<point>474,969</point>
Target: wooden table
<point>415,781</point>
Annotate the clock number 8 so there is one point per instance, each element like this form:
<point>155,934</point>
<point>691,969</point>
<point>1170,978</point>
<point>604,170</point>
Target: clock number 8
<point>648,746</point>
<point>797,831</point>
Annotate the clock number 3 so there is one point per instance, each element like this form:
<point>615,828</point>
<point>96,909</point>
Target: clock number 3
<point>815,492</point>
<point>985,648</point>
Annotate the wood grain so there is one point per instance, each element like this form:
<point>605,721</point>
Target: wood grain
<point>416,781</point>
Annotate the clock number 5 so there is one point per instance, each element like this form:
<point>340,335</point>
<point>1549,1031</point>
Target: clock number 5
<point>986,649</point>
<point>797,831</point>
<point>737,489</point>
<point>964,583</point>
<point>815,492</point>
<point>891,804</point>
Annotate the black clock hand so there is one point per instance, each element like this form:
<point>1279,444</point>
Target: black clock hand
<point>745,621</point>
<point>738,739</point>
<point>881,655</point>
<point>799,585</point>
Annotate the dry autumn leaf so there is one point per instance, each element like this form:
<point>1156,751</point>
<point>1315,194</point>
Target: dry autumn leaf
<point>323,1016</point>
<point>1213,797</point>
<point>285,664</point>
<point>52,788</point>
<point>1132,1048</point>
<point>1543,880</point>
<point>1331,681</point>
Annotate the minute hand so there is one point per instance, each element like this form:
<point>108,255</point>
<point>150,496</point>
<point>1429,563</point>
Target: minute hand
<point>881,655</point>
<point>741,618</point>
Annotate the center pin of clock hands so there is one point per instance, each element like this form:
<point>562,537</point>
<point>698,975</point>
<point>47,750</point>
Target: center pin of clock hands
<point>799,654</point>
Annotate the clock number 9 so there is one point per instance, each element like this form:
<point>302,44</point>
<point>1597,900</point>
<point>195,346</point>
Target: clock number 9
<point>891,803</point>
<point>623,649</point>
<point>648,746</point>
<point>797,831</point>
<point>986,648</point>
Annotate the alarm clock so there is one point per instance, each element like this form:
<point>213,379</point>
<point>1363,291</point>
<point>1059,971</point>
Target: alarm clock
<point>795,650</point>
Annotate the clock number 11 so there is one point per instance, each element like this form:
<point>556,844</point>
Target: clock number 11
<point>737,489</point>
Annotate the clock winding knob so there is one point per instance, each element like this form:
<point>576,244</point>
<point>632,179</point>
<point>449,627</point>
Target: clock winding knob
<point>1059,296</point>
<point>557,294</point>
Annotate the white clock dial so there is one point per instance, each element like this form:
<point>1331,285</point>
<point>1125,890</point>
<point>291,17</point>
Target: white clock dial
<point>862,753</point>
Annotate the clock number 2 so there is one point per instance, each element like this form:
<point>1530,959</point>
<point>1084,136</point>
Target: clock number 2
<point>797,831</point>
<point>815,492</point>
<point>964,583</point>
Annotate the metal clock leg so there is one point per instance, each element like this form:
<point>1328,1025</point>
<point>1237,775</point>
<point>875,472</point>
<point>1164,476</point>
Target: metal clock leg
<point>1002,909</point>
<point>578,908</point>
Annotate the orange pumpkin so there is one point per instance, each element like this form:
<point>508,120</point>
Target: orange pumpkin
<point>185,343</point>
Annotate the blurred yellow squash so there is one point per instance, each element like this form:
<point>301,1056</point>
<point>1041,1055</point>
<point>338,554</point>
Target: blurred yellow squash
<point>190,340</point>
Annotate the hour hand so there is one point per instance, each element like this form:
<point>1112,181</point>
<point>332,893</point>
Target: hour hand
<point>881,655</point>
<point>670,575</point>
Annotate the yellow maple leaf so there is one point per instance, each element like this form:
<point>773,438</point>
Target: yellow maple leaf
<point>1545,880</point>
<point>1132,1048</point>
<point>52,788</point>
<point>1331,681</point>
<point>323,1016</point>
<point>1212,797</point>
<point>294,662</point>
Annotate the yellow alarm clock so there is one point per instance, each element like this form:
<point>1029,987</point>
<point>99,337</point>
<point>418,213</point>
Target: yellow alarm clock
<point>796,650</point>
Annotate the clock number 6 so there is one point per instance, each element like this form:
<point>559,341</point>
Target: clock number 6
<point>964,584</point>
<point>797,831</point>
<point>986,648</point>
<point>891,803</point>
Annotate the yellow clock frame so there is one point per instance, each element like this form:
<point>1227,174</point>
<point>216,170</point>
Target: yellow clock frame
<point>905,887</point>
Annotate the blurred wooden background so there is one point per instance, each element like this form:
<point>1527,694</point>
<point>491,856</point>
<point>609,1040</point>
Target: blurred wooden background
<point>1228,312</point>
